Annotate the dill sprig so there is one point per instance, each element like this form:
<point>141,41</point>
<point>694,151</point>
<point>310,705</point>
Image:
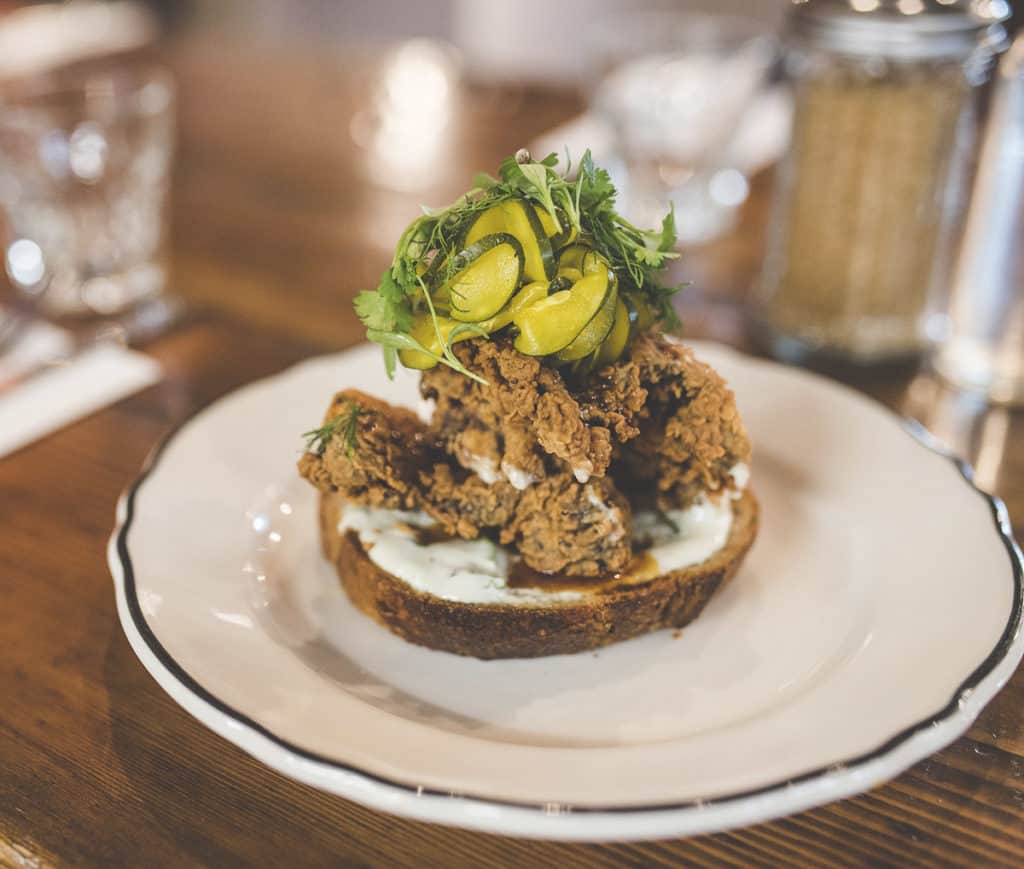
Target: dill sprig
<point>345,424</point>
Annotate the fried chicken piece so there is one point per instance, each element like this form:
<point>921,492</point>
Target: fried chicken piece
<point>557,524</point>
<point>393,444</point>
<point>689,434</point>
<point>464,503</point>
<point>658,414</point>
<point>534,461</point>
<point>526,404</point>
<point>563,525</point>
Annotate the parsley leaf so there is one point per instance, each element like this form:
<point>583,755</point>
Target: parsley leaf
<point>386,309</point>
<point>375,311</point>
<point>669,236</point>
<point>596,190</point>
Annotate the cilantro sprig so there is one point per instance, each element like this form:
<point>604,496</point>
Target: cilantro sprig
<point>585,203</point>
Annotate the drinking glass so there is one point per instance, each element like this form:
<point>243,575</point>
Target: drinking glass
<point>84,167</point>
<point>674,89</point>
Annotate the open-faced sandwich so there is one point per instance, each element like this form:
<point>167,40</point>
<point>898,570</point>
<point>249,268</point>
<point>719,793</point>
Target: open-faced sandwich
<point>581,478</point>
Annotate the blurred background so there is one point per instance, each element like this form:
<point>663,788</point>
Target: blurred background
<point>830,162</point>
<point>398,103</point>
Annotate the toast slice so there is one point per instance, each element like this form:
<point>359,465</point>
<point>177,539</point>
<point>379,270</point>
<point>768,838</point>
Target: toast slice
<point>610,611</point>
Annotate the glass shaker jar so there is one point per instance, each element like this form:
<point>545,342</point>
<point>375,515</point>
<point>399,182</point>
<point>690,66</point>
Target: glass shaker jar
<point>869,195</point>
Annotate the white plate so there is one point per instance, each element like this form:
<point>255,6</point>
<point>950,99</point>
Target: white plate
<point>879,610</point>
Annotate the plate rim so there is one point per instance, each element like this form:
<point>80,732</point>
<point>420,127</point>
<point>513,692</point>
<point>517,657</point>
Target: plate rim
<point>562,820</point>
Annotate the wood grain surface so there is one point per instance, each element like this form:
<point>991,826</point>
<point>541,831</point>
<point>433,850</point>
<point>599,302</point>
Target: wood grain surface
<point>277,223</point>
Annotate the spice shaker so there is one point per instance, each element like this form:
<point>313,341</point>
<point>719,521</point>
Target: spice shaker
<point>870,193</point>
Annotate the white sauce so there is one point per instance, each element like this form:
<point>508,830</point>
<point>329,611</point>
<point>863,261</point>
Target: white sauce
<point>703,529</point>
<point>519,478</point>
<point>484,467</point>
<point>425,409</point>
<point>610,512</point>
<point>487,470</point>
<point>740,474</point>
<point>582,475</point>
<point>474,571</point>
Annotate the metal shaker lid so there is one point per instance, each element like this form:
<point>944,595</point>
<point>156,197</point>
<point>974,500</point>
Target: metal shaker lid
<point>899,29</point>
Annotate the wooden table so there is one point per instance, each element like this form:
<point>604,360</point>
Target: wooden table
<point>276,226</point>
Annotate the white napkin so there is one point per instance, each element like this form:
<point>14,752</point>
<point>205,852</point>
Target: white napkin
<point>68,391</point>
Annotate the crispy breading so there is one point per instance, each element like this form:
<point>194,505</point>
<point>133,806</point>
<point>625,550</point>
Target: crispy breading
<point>537,461</point>
<point>528,404</point>
<point>392,444</point>
<point>557,524</point>
<point>462,502</point>
<point>562,525</point>
<point>693,436</point>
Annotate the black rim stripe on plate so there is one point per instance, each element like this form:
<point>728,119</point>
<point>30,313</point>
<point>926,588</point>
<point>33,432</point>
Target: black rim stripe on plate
<point>915,429</point>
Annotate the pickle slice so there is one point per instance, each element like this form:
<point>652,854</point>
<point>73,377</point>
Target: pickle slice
<point>559,238</point>
<point>532,292</point>
<point>594,333</point>
<point>564,238</point>
<point>489,273</point>
<point>584,259</point>
<point>547,222</point>
<point>549,325</point>
<point>423,327</point>
<point>423,331</point>
<point>524,224</point>
<point>521,221</point>
<point>617,339</point>
<point>489,222</point>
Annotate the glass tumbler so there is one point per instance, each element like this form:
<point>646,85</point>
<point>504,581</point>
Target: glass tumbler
<point>84,167</point>
<point>673,90</point>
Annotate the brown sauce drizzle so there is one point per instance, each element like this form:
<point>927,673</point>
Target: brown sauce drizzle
<point>431,534</point>
<point>642,568</point>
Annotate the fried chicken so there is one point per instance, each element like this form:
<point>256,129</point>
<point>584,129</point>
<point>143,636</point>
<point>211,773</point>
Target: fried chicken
<point>675,418</point>
<point>660,412</point>
<point>557,524</point>
<point>393,446</point>
<point>536,461</point>
<point>530,418</point>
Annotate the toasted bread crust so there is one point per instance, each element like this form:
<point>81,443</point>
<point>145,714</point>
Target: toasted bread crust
<point>611,613</point>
